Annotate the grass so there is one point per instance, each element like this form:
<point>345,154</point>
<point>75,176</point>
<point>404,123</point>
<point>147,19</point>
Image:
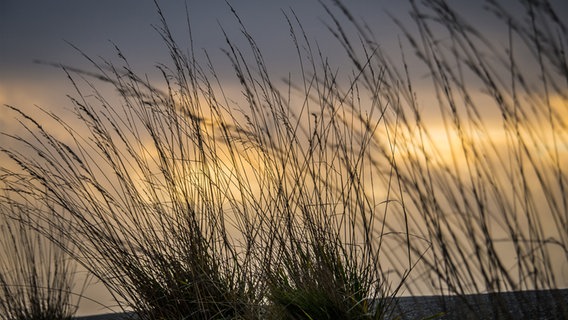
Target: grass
<point>489,192</point>
<point>321,198</point>
<point>37,278</point>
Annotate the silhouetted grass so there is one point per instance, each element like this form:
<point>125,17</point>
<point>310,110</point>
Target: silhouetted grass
<point>182,209</point>
<point>486,186</point>
<point>37,278</point>
<point>309,199</point>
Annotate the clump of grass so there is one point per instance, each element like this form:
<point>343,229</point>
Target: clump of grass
<point>37,277</point>
<point>146,193</point>
<point>486,186</point>
<point>321,228</point>
<point>176,202</point>
<point>300,201</point>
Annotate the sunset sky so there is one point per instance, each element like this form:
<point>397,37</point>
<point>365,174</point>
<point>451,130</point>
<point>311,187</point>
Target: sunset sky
<point>39,30</point>
<point>42,30</point>
<point>47,30</point>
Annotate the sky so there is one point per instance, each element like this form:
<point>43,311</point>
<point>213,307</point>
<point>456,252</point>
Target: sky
<point>43,30</point>
<point>32,30</point>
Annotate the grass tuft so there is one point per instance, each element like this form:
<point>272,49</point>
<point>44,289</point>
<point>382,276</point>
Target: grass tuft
<point>322,197</point>
<point>37,277</point>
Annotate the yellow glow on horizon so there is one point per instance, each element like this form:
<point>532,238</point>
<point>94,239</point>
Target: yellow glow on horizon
<point>443,147</point>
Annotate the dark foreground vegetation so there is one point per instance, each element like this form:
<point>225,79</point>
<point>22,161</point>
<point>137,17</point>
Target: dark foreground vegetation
<point>322,197</point>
